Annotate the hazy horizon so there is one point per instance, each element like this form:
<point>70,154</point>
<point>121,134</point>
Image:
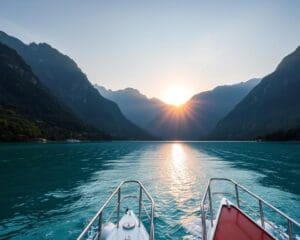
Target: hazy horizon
<point>190,46</point>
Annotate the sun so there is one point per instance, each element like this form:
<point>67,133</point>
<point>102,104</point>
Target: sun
<point>176,96</point>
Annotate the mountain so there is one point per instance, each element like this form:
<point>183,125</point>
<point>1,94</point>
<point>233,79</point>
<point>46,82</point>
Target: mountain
<point>60,74</point>
<point>191,121</point>
<point>28,111</point>
<point>201,113</point>
<point>137,107</point>
<point>273,106</point>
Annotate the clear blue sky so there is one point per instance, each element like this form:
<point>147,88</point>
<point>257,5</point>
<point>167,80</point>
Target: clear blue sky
<point>154,45</point>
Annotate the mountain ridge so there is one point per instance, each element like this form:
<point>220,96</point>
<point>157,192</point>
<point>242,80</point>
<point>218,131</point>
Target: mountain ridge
<point>61,75</point>
<point>136,106</point>
<point>272,106</point>
<point>28,111</point>
<point>170,122</point>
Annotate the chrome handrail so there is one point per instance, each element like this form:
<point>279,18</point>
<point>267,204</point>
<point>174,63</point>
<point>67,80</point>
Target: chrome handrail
<point>237,187</point>
<point>98,215</point>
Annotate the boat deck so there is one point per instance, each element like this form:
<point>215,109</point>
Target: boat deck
<point>235,225</point>
<point>129,229</point>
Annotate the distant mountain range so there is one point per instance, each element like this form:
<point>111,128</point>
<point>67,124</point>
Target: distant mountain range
<point>189,122</point>
<point>137,107</point>
<point>256,109</point>
<point>44,94</point>
<point>70,86</point>
<point>28,111</point>
<point>201,113</point>
<point>271,109</point>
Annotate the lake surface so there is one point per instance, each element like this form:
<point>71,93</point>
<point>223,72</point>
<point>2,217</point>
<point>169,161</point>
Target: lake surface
<point>50,191</point>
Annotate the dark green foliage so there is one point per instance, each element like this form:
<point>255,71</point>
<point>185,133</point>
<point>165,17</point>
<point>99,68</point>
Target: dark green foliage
<point>14,127</point>
<point>281,135</point>
<point>27,110</point>
<point>272,105</point>
<point>68,84</point>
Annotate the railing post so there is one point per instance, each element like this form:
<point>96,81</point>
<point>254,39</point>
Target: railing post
<point>100,226</point>
<point>140,205</point>
<point>290,230</point>
<point>151,224</point>
<point>203,223</point>
<point>262,220</point>
<point>210,207</point>
<point>237,195</point>
<point>119,205</point>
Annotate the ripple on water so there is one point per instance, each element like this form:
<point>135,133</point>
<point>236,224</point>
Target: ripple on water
<point>51,190</point>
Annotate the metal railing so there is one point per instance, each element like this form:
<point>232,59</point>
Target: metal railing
<point>98,218</point>
<point>208,210</point>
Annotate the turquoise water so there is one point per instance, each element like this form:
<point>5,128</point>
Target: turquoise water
<point>50,191</point>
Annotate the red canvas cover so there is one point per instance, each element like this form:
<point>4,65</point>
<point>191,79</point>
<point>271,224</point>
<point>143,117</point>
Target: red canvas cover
<point>235,225</point>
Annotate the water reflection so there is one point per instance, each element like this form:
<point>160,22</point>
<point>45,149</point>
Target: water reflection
<point>40,182</point>
<point>277,163</point>
<point>50,191</point>
<point>175,171</point>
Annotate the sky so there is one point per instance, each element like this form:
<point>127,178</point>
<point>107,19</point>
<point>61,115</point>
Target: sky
<point>161,46</point>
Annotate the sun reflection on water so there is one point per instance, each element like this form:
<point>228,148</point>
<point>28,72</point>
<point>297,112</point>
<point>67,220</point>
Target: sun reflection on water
<point>177,172</point>
<point>181,171</point>
<point>178,153</point>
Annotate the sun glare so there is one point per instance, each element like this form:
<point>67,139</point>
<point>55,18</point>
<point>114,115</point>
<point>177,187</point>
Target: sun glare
<point>176,96</point>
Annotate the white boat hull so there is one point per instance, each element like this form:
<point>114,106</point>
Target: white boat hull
<point>128,229</point>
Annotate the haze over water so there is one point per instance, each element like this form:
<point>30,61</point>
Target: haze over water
<point>50,191</point>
